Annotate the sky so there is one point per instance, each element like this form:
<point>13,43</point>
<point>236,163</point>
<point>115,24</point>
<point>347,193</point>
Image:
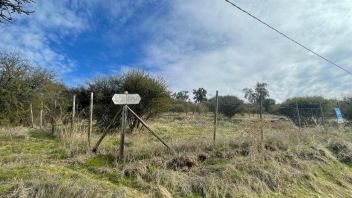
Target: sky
<point>191,44</point>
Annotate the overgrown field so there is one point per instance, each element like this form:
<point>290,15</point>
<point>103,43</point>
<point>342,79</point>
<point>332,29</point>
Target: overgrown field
<point>311,162</point>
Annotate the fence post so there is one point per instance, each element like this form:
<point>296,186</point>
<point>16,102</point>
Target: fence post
<point>41,116</point>
<point>90,117</point>
<point>261,125</point>
<point>73,112</point>
<point>299,117</point>
<point>322,116</point>
<point>53,120</point>
<point>32,119</point>
<point>216,117</point>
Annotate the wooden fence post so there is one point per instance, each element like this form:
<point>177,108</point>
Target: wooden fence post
<point>322,116</point>
<point>41,116</point>
<point>90,117</point>
<point>73,112</point>
<point>216,117</point>
<point>261,125</point>
<point>32,119</point>
<point>299,117</point>
<point>53,120</point>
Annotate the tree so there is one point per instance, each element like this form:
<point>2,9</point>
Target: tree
<point>228,105</point>
<point>257,95</point>
<point>200,95</point>
<point>20,85</point>
<point>181,95</point>
<point>8,7</point>
<point>268,103</point>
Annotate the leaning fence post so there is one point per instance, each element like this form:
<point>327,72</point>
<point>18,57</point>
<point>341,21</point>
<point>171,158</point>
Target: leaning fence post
<point>150,130</point>
<point>216,116</point>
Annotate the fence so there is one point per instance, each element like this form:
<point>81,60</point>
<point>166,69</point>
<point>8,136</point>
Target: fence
<point>218,128</point>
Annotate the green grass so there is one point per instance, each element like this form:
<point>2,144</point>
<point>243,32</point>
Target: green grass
<point>293,164</point>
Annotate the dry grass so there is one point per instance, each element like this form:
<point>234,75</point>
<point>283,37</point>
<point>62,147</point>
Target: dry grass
<point>294,163</point>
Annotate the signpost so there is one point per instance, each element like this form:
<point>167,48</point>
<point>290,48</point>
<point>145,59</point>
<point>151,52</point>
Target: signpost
<point>124,99</point>
<point>128,99</point>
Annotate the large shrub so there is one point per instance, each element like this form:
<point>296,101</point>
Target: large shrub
<point>153,91</point>
<point>228,105</point>
<point>22,84</point>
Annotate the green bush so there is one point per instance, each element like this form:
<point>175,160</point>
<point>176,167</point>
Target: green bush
<point>22,84</point>
<point>153,91</point>
<point>228,105</point>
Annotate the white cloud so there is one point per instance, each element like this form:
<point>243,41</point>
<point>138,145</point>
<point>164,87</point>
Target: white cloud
<point>210,44</point>
<point>31,35</point>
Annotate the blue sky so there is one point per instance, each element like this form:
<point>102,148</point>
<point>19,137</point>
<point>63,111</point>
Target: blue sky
<point>193,43</point>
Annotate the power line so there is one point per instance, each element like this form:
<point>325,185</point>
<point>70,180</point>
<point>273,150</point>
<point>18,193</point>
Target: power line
<point>289,38</point>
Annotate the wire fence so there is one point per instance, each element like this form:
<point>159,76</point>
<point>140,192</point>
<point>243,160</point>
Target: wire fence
<point>289,122</point>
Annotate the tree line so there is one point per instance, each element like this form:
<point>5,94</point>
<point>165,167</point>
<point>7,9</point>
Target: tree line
<point>23,84</point>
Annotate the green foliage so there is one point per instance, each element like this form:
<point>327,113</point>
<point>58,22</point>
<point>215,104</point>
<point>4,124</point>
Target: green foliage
<point>200,95</point>
<point>309,109</point>
<point>22,84</point>
<point>180,106</point>
<point>181,95</point>
<point>346,108</point>
<point>228,105</point>
<point>202,107</point>
<point>153,91</point>
<point>258,94</point>
<point>268,103</point>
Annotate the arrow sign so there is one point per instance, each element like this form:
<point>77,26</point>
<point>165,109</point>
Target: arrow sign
<point>125,99</point>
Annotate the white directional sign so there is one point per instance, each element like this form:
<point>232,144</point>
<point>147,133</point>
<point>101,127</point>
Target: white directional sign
<point>125,99</point>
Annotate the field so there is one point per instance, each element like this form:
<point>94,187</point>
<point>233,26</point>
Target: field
<point>311,162</point>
